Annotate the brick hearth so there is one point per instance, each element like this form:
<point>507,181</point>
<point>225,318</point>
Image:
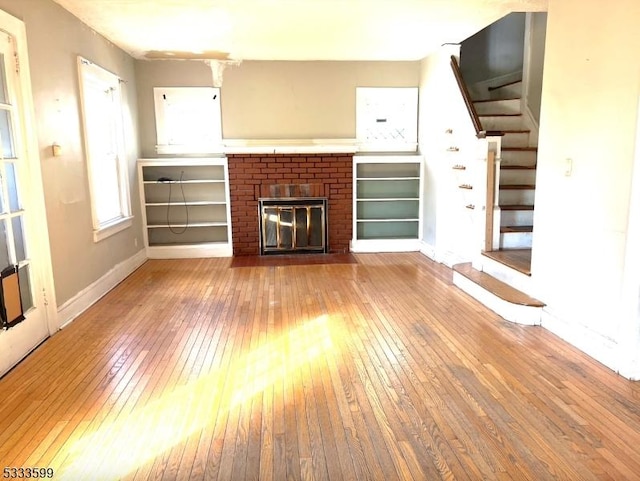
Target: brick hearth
<point>250,174</point>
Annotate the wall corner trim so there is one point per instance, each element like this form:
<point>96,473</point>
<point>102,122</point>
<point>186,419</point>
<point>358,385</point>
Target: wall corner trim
<point>95,291</point>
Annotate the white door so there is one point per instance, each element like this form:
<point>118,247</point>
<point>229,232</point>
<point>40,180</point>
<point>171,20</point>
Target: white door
<point>23,232</point>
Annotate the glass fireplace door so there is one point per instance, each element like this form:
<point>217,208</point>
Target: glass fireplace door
<point>289,228</point>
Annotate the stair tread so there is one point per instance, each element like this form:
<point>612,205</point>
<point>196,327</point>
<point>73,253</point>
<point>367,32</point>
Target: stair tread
<point>520,149</point>
<point>494,100</point>
<point>516,131</point>
<point>496,287</point>
<point>499,115</point>
<point>517,186</point>
<point>506,229</point>
<point>517,167</point>
<point>516,207</point>
<point>513,82</point>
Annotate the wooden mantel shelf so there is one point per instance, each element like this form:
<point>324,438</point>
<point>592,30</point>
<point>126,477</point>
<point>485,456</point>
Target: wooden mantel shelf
<point>290,146</point>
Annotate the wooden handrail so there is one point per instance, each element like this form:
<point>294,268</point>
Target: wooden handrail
<point>480,132</point>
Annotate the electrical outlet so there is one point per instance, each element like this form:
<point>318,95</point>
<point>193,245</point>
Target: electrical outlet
<point>135,242</point>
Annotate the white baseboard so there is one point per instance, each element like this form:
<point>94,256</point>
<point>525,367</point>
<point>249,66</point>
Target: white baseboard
<point>445,257</point>
<point>91,294</point>
<point>599,347</point>
<point>223,249</point>
<point>384,245</point>
<point>428,250</point>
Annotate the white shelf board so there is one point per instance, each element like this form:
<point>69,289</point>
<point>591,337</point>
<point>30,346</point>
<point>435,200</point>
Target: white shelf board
<point>182,226</point>
<point>180,203</point>
<point>386,199</point>
<point>388,220</point>
<point>193,181</point>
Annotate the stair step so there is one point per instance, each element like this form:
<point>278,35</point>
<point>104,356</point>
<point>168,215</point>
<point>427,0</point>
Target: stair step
<point>495,100</point>
<point>496,87</point>
<point>510,90</point>
<point>507,229</point>
<point>517,177</point>
<point>501,122</point>
<point>517,167</point>
<point>518,156</point>
<point>516,197</point>
<point>516,207</point>
<point>484,107</point>
<point>515,218</point>
<point>496,287</point>
<point>516,138</point>
<point>518,187</point>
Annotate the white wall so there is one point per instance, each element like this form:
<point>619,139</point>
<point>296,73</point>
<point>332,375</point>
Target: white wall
<point>447,223</point>
<point>535,69</point>
<point>589,110</point>
<point>55,38</point>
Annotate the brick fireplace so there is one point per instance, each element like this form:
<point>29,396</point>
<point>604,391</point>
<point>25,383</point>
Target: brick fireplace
<point>250,178</point>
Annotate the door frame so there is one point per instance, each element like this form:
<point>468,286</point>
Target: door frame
<point>32,186</point>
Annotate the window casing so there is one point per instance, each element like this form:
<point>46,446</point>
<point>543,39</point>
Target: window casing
<point>188,120</point>
<point>387,119</point>
<point>102,110</point>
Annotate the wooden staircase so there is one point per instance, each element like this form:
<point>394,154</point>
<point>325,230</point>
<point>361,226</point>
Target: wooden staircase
<point>519,151</point>
<point>505,273</point>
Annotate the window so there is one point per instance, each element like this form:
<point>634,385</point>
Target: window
<point>387,119</point>
<point>188,120</point>
<point>104,140</point>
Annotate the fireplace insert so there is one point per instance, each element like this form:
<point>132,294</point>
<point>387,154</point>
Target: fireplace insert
<point>293,225</point>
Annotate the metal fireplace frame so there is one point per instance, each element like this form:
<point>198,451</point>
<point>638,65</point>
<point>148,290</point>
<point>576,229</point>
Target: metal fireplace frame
<point>291,204</point>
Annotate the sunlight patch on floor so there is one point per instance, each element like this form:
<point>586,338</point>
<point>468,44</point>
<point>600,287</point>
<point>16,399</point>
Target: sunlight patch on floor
<point>131,441</point>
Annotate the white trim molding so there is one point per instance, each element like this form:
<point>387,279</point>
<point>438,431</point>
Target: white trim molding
<point>107,230</point>
<point>290,146</point>
<point>601,348</point>
<point>95,291</point>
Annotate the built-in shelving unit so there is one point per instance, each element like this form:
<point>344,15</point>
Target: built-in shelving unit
<point>387,203</point>
<point>185,207</point>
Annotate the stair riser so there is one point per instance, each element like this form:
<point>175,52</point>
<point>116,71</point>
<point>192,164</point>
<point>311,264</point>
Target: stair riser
<point>516,313</point>
<point>507,92</point>
<point>517,197</point>
<point>516,240</point>
<point>512,139</point>
<point>519,157</point>
<point>516,217</point>
<point>501,123</point>
<point>510,177</point>
<point>498,107</point>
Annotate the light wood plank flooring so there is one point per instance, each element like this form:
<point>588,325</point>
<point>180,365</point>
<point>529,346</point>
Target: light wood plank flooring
<point>380,370</point>
<point>518,259</point>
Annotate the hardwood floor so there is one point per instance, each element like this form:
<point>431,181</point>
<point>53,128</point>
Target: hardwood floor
<point>518,259</point>
<point>380,370</point>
